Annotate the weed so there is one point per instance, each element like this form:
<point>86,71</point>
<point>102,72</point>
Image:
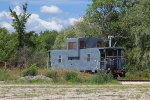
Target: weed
<point>101,78</point>
<point>4,75</point>
<point>30,71</point>
<point>71,76</point>
<point>53,74</point>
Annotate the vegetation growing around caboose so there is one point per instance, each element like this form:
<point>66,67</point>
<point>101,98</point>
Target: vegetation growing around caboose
<point>32,74</point>
<point>127,20</point>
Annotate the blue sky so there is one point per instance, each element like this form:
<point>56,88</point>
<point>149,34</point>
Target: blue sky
<point>46,14</point>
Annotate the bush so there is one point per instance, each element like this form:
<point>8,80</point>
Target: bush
<point>4,75</point>
<point>53,75</point>
<point>30,71</point>
<point>101,77</point>
<point>71,76</point>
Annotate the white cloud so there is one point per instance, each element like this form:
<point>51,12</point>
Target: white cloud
<point>37,24</point>
<point>51,9</point>
<point>34,23</point>
<point>6,25</point>
<point>17,9</point>
<point>5,20</point>
<point>73,21</point>
<point>5,16</point>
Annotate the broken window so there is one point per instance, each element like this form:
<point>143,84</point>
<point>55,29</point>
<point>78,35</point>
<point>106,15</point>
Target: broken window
<point>72,45</point>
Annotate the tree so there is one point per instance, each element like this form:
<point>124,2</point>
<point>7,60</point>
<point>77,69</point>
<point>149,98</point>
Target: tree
<point>136,22</point>
<point>46,39</point>
<point>18,23</point>
<point>7,45</point>
<point>106,14</point>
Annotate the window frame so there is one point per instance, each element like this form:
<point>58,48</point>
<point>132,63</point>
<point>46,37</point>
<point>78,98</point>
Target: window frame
<point>59,59</point>
<point>72,45</point>
<point>88,57</point>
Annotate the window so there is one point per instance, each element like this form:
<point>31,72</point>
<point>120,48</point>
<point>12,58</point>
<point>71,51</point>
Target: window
<point>99,44</point>
<point>82,44</point>
<point>88,57</point>
<point>72,45</point>
<point>60,59</point>
<point>115,52</point>
<point>109,53</point>
<point>119,52</point>
<point>102,56</point>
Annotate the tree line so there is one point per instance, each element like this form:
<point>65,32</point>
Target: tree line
<point>127,20</point>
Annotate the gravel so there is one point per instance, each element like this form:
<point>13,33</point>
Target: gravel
<point>75,92</point>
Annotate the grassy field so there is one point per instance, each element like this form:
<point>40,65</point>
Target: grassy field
<point>67,85</point>
<point>62,76</point>
<point>75,92</point>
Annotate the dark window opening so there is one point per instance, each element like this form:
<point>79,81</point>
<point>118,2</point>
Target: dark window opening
<point>60,59</point>
<point>72,45</point>
<point>115,52</point>
<point>102,56</point>
<point>109,53</point>
<point>73,58</point>
<point>119,52</point>
<point>88,57</point>
<point>99,44</point>
<point>82,44</point>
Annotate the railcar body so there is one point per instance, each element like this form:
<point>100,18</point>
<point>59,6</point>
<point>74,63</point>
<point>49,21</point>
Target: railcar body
<point>89,54</point>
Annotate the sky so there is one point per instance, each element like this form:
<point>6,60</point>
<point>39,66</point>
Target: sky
<point>45,14</point>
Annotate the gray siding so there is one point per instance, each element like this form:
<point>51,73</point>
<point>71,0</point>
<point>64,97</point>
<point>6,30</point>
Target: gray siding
<point>76,64</point>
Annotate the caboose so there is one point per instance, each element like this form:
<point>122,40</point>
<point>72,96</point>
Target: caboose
<point>89,55</point>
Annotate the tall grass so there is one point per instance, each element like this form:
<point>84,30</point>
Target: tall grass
<point>53,74</point>
<point>4,76</point>
<point>101,77</point>
<point>138,75</point>
<point>72,76</point>
<point>31,70</point>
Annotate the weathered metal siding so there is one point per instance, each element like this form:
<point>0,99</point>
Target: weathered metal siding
<point>55,57</point>
<point>76,64</point>
<point>94,57</point>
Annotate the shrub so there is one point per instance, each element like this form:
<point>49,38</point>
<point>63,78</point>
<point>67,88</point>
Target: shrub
<point>101,77</point>
<point>4,75</point>
<point>30,71</point>
<point>71,76</point>
<point>53,75</point>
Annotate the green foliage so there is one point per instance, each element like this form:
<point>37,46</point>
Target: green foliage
<point>60,41</point>
<point>46,39</point>
<point>101,78</point>
<point>136,23</point>
<point>4,76</point>
<point>7,45</point>
<point>30,71</point>
<point>53,74</point>
<point>19,22</point>
<point>127,20</point>
<point>138,75</point>
<point>71,76</point>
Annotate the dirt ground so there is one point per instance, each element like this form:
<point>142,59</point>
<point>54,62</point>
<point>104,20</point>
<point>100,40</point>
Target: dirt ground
<point>75,92</point>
